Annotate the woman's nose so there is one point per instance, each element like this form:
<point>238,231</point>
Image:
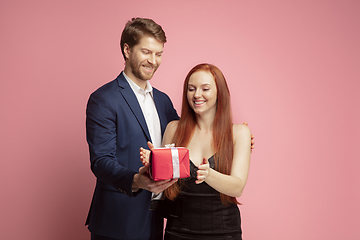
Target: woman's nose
<point>197,93</point>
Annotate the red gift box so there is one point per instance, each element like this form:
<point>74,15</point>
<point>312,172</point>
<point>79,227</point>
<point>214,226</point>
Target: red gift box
<point>169,163</point>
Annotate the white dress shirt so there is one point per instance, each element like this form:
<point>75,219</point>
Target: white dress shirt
<point>148,108</point>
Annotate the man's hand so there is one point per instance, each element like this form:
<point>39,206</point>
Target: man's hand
<point>143,180</point>
<point>252,139</point>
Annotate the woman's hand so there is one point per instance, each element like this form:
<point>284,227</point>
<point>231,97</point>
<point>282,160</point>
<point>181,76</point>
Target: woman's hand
<point>145,154</point>
<point>203,171</point>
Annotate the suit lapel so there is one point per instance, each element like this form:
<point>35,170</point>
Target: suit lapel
<point>133,104</point>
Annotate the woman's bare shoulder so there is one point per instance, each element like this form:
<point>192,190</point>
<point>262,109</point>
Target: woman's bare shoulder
<point>172,125</point>
<point>170,132</point>
<point>241,130</point>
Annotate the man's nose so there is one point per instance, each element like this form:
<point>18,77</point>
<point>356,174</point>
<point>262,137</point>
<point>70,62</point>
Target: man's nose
<point>151,59</point>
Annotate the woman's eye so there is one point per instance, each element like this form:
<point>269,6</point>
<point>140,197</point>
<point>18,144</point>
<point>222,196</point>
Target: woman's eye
<point>191,89</point>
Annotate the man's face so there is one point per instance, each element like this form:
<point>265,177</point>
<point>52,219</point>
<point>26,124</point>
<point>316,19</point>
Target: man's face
<point>144,58</point>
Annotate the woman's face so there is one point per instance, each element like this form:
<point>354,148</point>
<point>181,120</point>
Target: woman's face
<point>202,92</point>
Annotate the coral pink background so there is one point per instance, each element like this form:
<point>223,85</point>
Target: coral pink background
<point>293,68</point>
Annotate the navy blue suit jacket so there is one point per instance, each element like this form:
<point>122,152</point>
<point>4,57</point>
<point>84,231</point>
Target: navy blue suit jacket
<point>116,129</point>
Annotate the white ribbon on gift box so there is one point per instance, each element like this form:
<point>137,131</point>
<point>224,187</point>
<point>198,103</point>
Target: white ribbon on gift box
<point>175,162</point>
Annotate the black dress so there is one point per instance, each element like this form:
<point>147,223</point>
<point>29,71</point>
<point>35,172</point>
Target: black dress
<point>198,213</point>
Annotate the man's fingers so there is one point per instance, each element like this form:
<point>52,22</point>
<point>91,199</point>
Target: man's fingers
<point>162,185</point>
<point>144,168</point>
<point>168,182</point>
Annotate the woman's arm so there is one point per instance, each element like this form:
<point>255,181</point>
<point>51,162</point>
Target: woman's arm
<point>233,184</point>
<point>169,133</point>
<point>167,139</point>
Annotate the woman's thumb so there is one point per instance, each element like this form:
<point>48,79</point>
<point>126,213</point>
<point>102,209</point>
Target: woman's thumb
<point>150,145</point>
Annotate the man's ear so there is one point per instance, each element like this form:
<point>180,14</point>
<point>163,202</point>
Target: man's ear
<point>126,50</point>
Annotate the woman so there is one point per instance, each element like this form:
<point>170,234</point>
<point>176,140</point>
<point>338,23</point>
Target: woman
<point>204,206</point>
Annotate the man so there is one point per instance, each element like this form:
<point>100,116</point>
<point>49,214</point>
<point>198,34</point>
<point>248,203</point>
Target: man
<point>122,116</point>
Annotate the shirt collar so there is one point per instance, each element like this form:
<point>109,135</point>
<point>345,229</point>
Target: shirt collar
<point>136,88</point>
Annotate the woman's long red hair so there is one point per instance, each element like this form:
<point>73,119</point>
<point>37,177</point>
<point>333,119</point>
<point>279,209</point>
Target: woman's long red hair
<point>222,128</point>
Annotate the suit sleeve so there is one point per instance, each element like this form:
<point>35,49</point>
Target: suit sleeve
<point>171,112</point>
<point>101,137</point>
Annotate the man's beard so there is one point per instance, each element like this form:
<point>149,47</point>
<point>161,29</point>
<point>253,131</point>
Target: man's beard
<point>139,74</point>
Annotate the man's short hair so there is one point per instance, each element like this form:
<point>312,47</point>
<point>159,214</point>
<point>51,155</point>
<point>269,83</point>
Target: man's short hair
<point>137,28</point>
